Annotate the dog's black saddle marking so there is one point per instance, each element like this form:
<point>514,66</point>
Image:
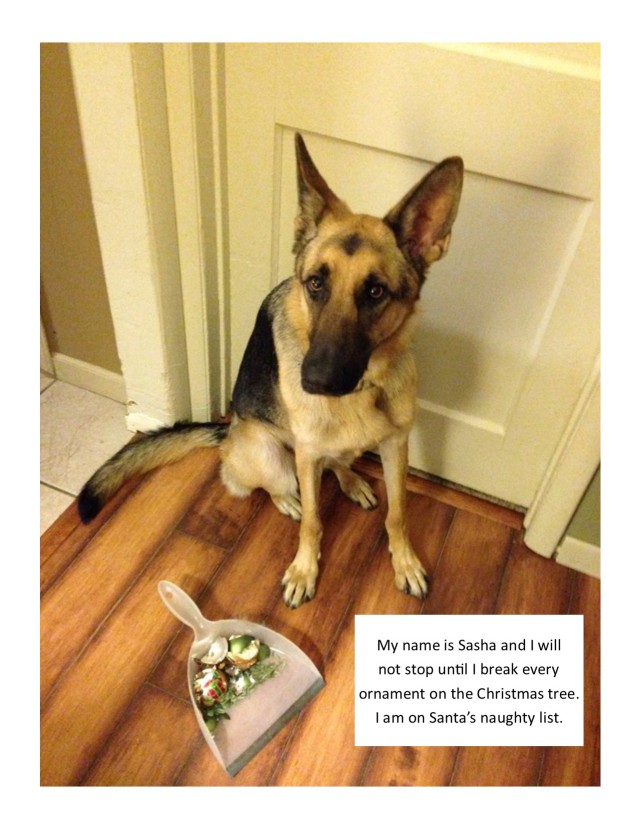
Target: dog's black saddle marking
<point>255,393</point>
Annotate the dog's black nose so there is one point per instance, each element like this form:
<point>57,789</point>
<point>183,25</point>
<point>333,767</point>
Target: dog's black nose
<point>322,375</point>
<point>320,387</point>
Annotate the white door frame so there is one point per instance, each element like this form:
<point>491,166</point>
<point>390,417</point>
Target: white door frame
<point>152,134</point>
<point>196,117</point>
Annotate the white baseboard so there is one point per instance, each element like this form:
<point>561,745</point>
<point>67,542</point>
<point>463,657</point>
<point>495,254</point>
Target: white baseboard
<point>579,555</point>
<point>89,377</point>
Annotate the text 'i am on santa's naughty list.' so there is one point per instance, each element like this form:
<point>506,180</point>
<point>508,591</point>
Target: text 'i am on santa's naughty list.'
<point>469,680</point>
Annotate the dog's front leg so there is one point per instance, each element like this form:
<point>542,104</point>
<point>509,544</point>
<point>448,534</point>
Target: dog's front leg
<point>299,581</point>
<point>409,574</point>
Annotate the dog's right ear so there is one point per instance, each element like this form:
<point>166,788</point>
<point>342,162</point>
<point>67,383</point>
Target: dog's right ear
<point>316,199</point>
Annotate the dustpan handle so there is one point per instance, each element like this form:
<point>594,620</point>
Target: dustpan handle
<point>183,607</point>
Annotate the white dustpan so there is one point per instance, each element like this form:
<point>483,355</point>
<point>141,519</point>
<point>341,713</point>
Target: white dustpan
<point>257,718</point>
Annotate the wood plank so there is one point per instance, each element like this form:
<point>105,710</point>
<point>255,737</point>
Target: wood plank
<point>66,538</point>
<point>149,745</point>
<point>91,695</point>
<point>76,604</point>
<point>497,766</point>
<point>580,766</point>
<point>218,517</point>
<point>409,767</point>
<point>533,585</point>
<point>467,577</point>
<point>310,759</point>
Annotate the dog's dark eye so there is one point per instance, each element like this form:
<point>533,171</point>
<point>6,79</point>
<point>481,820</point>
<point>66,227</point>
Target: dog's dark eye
<point>376,291</point>
<point>314,284</point>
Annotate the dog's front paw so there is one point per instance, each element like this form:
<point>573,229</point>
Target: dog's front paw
<point>299,584</point>
<point>410,576</point>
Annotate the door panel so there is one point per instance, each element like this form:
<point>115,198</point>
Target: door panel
<point>508,320</point>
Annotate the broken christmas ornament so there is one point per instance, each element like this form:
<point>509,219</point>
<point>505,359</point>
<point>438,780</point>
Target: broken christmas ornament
<point>230,671</point>
<point>245,681</point>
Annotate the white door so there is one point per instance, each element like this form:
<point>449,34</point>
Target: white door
<point>508,333</point>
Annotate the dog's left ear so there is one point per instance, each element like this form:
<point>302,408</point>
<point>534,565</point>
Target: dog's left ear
<point>316,199</point>
<point>422,220</point>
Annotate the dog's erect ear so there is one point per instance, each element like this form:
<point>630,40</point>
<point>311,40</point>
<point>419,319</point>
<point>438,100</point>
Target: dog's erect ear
<point>422,220</point>
<point>316,198</point>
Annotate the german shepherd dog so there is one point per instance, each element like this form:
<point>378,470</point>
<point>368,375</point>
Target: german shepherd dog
<point>327,373</point>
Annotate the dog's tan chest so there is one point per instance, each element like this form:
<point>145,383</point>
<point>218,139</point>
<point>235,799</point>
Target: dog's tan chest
<point>338,427</point>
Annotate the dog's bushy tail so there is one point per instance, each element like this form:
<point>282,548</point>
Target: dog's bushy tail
<point>155,449</point>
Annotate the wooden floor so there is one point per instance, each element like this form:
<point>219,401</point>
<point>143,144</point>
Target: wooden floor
<point>115,708</point>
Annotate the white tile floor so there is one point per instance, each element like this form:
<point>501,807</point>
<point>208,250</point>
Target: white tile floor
<point>79,430</point>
